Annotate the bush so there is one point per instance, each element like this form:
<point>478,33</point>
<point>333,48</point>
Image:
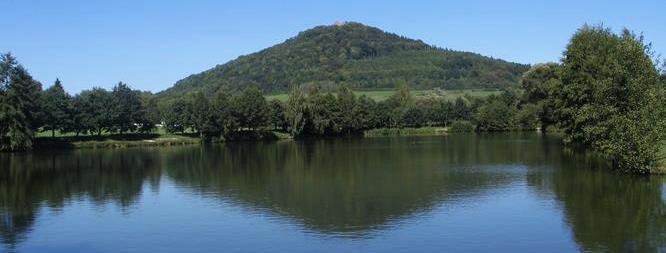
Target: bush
<point>495,115</point>
<point>528,118</point>
<point>461,127</point>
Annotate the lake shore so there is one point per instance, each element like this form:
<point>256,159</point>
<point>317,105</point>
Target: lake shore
<point>161,139</point>
<point>115,141</point>
<point>419,131</point>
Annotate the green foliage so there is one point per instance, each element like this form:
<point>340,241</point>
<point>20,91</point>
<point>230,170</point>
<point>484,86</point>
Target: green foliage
<point>223,114</point>
<point>276,114</point>
<point>81,117</point>
<point>57,106</point>
<point>414,115</point>
<point>359,56</point>
<point>495,115</point>
<point>461,110</point>
<point>382,94</point>
<point>127,108</point>
<point>251,108</point>
<point>150,115</point>
<point>314,113</point>
<point>176,116</point>
<point>20,114</point>
<point>101,107</point>
<point>424,131</point>
<point>528,117</point>
<point>202,117</point>
<point>295,112</point>
<point>610,97</point>
<point>346,105</point>
<point>540,84</point>
<point>322,114</point>
<point>461,126</point>
<point>7,65</point>
<point>365,115</point>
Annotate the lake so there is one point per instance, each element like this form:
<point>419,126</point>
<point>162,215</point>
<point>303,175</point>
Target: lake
<point>518,192</point>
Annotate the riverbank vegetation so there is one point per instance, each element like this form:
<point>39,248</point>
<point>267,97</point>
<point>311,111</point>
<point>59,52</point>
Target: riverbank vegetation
<point>606,94</point>
<point>116,140</point>
<point>611,97</point>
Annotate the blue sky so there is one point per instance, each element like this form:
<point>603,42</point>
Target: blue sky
<point>152,44</point>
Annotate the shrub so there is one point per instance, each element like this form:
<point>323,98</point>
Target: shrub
<point>461,127</point>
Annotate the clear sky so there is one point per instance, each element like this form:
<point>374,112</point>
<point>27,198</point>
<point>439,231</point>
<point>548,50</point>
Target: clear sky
<point>152,44</point>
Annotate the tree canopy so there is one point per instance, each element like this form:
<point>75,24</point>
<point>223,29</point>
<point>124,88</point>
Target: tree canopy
<point>20,114</point>
<point>355,55</point>
<point>611,98</point>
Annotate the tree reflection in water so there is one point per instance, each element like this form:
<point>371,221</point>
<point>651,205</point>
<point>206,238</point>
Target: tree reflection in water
<point>350,187</point>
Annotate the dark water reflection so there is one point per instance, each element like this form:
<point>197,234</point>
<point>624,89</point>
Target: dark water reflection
<point>492,193</point>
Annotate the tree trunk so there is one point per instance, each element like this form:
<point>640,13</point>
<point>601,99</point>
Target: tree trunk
<point>52,133</point>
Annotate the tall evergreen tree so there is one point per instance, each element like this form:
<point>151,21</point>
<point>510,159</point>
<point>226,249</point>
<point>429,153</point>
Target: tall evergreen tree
<point>57,107</point>
<point>7,66</point>
<point>22,109</point>
<point>127,108</point>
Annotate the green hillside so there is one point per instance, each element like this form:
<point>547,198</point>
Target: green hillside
<point>381,95</point>
<point>360,56</point>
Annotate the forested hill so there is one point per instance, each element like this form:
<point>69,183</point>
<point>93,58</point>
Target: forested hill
<point>357,55</point>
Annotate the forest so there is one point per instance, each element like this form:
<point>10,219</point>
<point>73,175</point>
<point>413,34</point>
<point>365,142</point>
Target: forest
<point>356,55</point>
<point>607,93</point>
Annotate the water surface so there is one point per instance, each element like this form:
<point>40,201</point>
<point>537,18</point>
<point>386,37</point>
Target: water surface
<point>457,193</point>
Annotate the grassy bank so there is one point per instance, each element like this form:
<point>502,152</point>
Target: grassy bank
<point>159,138</point>
<point>421,131</point>
<point>115,141</point>
<point>162,139</point>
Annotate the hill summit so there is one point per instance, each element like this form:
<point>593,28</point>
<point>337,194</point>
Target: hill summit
<point>360,56</point>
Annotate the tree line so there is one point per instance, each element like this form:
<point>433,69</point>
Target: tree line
<point>26,109</point>
<point>310,112</point>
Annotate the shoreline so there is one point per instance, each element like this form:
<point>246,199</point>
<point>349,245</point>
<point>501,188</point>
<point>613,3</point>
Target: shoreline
<point>159,140</point>
<point>167,140</point>
<point>114,141</point>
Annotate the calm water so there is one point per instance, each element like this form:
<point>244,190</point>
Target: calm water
<point>464,193</point>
